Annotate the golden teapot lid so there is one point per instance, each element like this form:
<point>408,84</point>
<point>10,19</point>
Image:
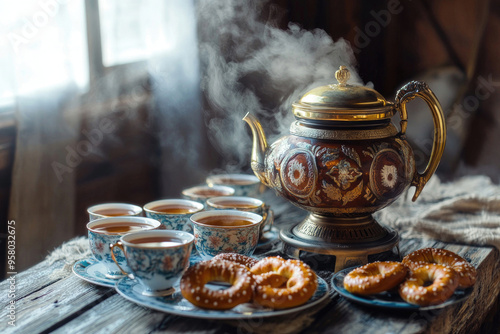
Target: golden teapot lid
<point>343,102</point>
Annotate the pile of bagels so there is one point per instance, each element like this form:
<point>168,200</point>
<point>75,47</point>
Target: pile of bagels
<point>425,277</point>
<point>272,282</point>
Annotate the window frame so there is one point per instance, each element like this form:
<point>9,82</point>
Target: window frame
<point>94,42</point>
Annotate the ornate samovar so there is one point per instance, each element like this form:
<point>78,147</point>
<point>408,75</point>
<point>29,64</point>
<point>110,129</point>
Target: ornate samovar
<point>342,161</point>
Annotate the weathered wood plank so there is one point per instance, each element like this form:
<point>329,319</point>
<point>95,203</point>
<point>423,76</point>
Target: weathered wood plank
<point>30,280</point>
<point>468,317</point>
<point>54,303</point>
<point>116,314</point>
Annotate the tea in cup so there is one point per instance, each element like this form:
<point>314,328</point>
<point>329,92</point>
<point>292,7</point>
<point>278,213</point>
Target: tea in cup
<point>113,210</point>
<point>244,203</point>
<point>243,184</point>
<point>226,231</point>
<point>157,259</point>
<point>105,231</point>
<point>173,214</point>
<point>202,193</point>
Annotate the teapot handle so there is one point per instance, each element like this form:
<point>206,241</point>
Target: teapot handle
<point>407,93</point>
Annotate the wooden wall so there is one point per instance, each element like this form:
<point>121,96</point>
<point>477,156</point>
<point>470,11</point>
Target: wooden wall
<point>421,36</point>
<point>418,35</point>
<point>125,168</point>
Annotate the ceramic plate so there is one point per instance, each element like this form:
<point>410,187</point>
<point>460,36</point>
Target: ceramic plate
<point>391,300</point>
<point>176,304</point>
<point>93,272</point>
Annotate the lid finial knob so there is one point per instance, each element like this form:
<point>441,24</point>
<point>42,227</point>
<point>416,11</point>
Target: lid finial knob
<point>342,75</point>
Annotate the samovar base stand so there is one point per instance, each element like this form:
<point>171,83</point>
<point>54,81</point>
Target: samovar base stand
<point>340,237</point>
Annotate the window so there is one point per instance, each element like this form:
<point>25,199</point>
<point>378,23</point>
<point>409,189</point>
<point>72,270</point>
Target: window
<point>132,31</point>
<point>44,46</point>
<point>51,43</point>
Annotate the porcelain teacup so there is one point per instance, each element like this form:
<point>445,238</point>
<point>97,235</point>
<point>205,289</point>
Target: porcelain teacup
<point>244,203</point>
<point>157,259</point>
<point>105,231</point>
<point>107,210</point>
<point>173,214</point>
<point>226,231</point>
<point>243,184</point>
<point>202,193</point>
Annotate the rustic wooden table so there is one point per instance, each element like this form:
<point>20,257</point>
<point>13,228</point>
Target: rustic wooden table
<point>71,305</point>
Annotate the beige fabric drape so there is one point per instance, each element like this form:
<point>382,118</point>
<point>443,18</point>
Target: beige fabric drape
<point>463,211</point>
<point>44,70</point>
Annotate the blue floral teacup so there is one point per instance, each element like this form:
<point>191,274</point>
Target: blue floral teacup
<point>105,231</point>
<point>173,214</point>
<point>244,203</point>
<point>202,193</point>
<point>157,259</point>
<point>243,184</point>
<point>108,210</point>
<point>226,231</point>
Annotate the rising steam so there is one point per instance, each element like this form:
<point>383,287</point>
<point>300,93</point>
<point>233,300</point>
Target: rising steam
<point>249,65</point>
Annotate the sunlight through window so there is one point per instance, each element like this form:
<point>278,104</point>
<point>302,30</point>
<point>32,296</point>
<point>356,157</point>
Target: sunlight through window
<point>45,45</point>
<point>133,31</point>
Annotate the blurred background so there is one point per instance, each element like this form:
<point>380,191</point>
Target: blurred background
<point>132,101</point>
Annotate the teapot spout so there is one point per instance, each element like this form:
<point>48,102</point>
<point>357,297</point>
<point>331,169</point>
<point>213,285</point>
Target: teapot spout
<point>259,147</point>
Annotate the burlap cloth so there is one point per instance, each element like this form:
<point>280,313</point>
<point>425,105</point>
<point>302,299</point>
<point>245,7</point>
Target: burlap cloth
<point>464,211</point>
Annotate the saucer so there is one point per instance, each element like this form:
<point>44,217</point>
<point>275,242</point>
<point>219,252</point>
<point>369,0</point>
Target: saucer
<point>94,272</point>
<point>177,304</point>
<point>388,300</point>
<point>163,293</point>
